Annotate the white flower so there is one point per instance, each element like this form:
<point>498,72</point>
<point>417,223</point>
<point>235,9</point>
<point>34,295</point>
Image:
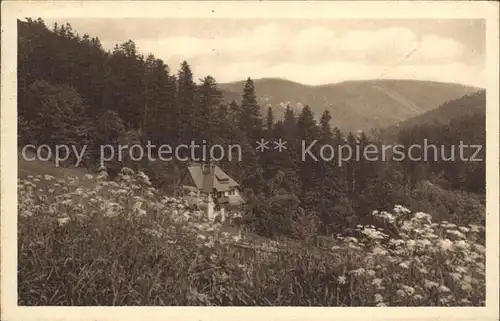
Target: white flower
<point>341,279</point>
<point>404,265</point>
<point>410,244</point>
<point>379,251</point>
<point>63,221</point>
<point>127,171</point>
<point>408,289</point>
<point>430,284</point>
<point>445,244</point>
<point>443,289</point>
<point>358,271</point>
<point>378,298</point>
<point>461,244</point>
<point>418,297</point>
<point>466,286</point>
<point>463,229</point>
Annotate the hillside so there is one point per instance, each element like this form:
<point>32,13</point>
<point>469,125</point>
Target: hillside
<point>472,105</point>
<point>354,104</point>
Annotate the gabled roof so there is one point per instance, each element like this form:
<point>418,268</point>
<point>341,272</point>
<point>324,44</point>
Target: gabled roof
<point>211,178</point>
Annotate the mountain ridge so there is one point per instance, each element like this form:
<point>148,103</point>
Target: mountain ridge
<point>354,104</point>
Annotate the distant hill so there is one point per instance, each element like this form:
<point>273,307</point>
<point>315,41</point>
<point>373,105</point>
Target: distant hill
<point>472,105</point>
<point>354,105</point>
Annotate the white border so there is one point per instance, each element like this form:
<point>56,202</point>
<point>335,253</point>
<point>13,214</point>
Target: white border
<point>238,9</point>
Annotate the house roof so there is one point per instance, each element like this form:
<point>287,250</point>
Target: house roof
<point>215,178</point>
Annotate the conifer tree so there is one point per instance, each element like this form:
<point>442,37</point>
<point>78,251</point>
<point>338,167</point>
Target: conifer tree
<point>186,97</point>
<point>250,118</point>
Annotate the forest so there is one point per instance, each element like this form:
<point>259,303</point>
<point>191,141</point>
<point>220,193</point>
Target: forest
<point>72,91</point>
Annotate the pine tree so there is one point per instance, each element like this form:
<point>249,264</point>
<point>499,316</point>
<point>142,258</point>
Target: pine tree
<point>250,118</point>
<point>269,119</point>
<point>186,97</point>
<point>307,131</point>
<point>209,99</point>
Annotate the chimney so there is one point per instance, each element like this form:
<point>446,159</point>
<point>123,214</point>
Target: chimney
<point>206,168</point>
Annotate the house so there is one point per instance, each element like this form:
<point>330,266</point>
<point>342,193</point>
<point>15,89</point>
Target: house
<point>209,187</point>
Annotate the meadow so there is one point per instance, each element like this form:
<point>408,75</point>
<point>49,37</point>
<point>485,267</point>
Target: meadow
<point>86,240</point>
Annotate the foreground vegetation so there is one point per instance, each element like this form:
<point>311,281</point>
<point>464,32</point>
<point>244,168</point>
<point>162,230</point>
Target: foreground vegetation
<point>101,242</point>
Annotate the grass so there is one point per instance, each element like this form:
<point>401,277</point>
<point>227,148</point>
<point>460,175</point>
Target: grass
<point>87,241</point>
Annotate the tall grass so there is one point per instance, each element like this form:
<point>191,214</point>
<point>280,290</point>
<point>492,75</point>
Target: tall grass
<point>119,243</point>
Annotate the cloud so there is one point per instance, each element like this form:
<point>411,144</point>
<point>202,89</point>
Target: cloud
<point>436,47</point>
<point>382,46</point>
<point>318,55</point>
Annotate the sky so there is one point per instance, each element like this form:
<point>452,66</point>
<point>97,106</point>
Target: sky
<point>307,51</point>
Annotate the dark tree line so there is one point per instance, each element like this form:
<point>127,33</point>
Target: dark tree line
<point>72,91</point>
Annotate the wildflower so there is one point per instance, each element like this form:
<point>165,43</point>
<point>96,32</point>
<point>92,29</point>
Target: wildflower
<point>410,244</point>
<point>102,176</point>
<point>378,298</point>
<point>423,217</point>
<point>143,178</point>
<point>466,286</point>
<point>48,177</point>
<point>474,228</point>
<point>341,280</point>
<point>89,176</point>
<point>137,205</point>
<point>443,300</point>
<point>127,171</point>
<point>461,244</point>
<point>455,233</point>
<point>423,242</point>
<point>447,225</point>
<point>400,293</point>
<point>381,304</point>
<point>376,282</point>
<point>359,271</point>
<point>370,273</point>
<point>26,213</point>
<point>430,284</point>
<point>464,229</point>
<point>404,265</point>
<point>408,289</point>
<point>445,244</point>
<point>67,202</point>
<point>379,251</point>
<point>63,221</point>
<point>418,297</point>
<point>210,243</point>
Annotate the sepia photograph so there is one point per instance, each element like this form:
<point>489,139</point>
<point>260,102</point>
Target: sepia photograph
<point>210,160</point>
